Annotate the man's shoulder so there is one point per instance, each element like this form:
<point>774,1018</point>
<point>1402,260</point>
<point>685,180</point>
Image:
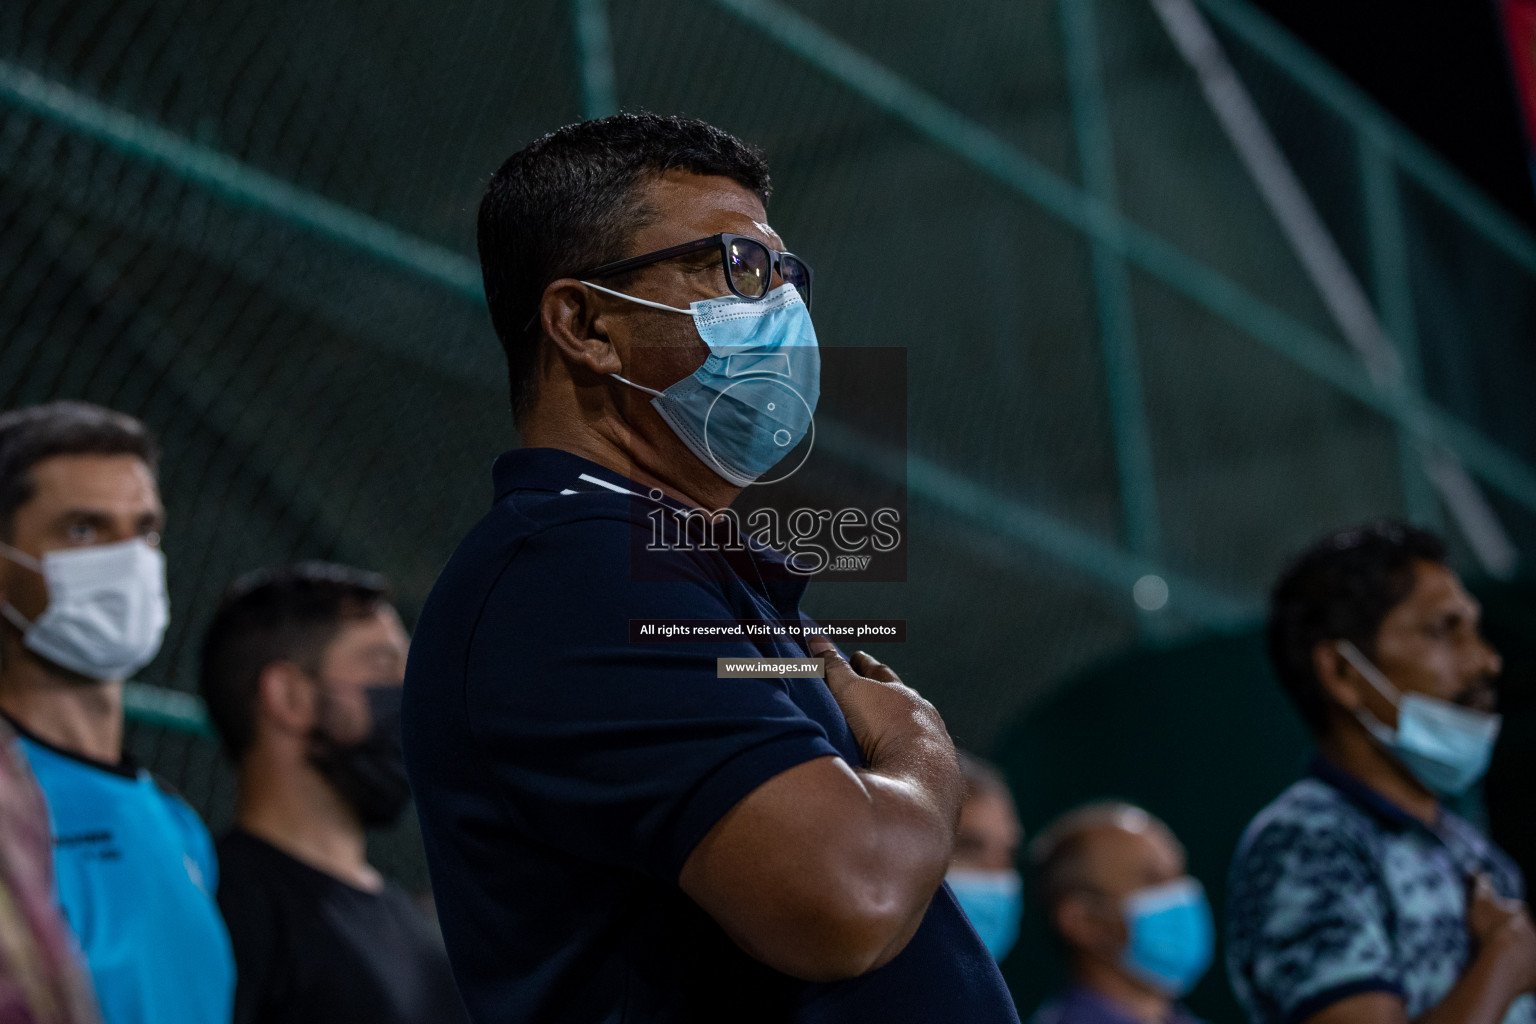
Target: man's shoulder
<point>1078,1005</point>
<point>242,856</point>
<point>257,878</point>
<point>1508,879</point>
<point>581,544</point>
<point>1310,818</point>
<point>520,515</point>
<point>180,811</point>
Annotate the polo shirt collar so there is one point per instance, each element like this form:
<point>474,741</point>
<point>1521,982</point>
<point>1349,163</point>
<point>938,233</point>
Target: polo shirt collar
<point>1361,795</point>
<point>557,470</point>
<point>126,766</point>
<point>550,469</point>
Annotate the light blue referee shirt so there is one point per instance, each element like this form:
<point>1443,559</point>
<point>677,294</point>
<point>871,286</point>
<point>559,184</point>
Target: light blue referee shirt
<point>136,880</point>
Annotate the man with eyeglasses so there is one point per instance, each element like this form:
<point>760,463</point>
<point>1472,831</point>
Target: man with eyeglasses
<point>1357,897</point>
<point>614,832</point>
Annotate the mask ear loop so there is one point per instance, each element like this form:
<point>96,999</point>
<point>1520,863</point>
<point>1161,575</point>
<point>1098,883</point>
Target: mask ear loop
<point>15,617</point>
<point>1372,674</point>
<point>20,557</point>
<point>638,387</point>
<point>26,561</point>
<point>643,302</point>
<point>620,295</point>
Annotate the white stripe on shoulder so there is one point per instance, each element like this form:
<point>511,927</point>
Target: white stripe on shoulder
<point>604,483</point>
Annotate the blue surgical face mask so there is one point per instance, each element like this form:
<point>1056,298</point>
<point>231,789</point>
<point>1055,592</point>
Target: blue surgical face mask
<point>1445,746</point>
<point>754,398</point>
<point>994,902</point>
<point>1172,938</point>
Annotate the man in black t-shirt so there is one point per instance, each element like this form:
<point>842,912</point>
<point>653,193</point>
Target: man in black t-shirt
<point>301,673</point>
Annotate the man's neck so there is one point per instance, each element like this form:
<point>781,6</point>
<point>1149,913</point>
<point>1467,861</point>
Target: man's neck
<point>84,717</point>
<point>1132,997</point>
<point>297,811</point>
<point>694,484</point>
<point>1352,750</point>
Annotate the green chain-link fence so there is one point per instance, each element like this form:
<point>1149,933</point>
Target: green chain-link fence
<point>251,224</point>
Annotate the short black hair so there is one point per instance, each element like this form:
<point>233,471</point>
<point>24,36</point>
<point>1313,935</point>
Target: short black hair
<point>29,436</point>
<point>568,202</point>
<point>1341,588</point>
<point>287,613</point>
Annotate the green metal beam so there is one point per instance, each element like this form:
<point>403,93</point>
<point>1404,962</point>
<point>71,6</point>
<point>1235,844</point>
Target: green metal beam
<point>972,141</point>
<point>975,504</point>
<point>1117,316</point>
<point>982,148</point>
<point>1344,98</point>
<point>1382,201</point>
<point>167,708</point>
<point>594,51</point>
<point>950,491</point>
<point>235,181</point>
<point>161,346</point>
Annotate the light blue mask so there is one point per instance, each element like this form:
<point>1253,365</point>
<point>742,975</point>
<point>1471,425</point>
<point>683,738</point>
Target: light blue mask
<point>1445,746</point>
<point>1172,938</point>
<point>754,398</point>
<point>994,902</point>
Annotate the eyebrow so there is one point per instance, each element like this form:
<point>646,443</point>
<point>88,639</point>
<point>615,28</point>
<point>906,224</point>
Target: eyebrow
<point>96,515</point>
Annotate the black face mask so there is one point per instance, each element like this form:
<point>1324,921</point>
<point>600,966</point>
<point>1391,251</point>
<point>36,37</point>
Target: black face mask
<point>369,774</point>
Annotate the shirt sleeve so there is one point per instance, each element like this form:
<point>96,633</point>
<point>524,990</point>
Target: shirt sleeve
<point>617,752</point>
<point>1307,924</point>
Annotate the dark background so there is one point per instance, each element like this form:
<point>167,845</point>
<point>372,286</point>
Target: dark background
<point>1440,68</point>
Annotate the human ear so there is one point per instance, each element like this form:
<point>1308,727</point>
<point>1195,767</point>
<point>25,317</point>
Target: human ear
<point>578,328</point>
<point>287,697</point>
<point>1084,926</point>
<point>1335,674</point>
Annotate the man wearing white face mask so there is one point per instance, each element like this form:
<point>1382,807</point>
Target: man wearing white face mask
<point>1136,928</point>
<point>83,606</point>
<point>1357,896</point>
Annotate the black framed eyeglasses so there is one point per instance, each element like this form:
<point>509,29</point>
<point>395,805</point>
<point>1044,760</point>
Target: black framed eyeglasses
<point>749,265</point>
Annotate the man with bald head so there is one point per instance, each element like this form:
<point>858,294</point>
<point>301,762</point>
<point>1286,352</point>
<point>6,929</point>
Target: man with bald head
<point>1136,928</point>
<point>617,830</point>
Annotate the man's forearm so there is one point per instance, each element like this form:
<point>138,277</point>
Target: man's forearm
<point>915,792</point>
<point>826,870</point>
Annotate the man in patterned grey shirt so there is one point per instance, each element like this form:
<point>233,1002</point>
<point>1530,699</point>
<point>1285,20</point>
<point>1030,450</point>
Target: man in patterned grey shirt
<point>1356,896</point>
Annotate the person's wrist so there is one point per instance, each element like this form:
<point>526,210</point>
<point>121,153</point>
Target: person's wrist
<point>1502,970</point>
<point>917,728</point>
<point>910,735</point>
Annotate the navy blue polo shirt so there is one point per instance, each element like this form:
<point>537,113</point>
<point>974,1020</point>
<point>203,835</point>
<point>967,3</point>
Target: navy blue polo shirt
<point>563,773</point>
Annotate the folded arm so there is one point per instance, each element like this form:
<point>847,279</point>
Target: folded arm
<point>825,871</point>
